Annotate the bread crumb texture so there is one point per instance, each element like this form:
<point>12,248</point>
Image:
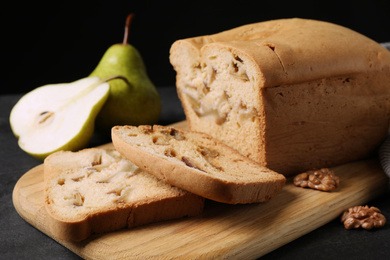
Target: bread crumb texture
<point>102,180</point>
<point>198,163</point>
<point>197,151</point>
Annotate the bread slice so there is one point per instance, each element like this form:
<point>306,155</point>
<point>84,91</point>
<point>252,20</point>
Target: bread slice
<point>197,163</point>
<point>98,190</point>
<point>292,94</point>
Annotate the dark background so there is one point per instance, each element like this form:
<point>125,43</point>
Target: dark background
<point>62,41</point>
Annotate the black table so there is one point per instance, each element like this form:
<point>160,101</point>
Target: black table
<point>20,240</point>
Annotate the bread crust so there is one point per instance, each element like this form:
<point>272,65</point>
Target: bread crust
<point>285,50</point>
<point>242,189</point>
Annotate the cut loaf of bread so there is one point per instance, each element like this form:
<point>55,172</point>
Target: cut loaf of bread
<point>98,190</point>
<point>292,94</point>
<point>197,163</point>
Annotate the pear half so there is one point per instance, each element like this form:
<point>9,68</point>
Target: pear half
<point>58,116</point>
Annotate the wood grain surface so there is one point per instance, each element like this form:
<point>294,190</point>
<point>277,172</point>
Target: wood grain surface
<point>222,231</point>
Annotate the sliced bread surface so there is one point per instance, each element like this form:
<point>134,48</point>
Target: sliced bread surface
<point>98,190</point>
<point>197,163</point>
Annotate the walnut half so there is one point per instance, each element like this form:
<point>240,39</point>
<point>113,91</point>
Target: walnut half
<point>322,179</point>
<point>365,217</point>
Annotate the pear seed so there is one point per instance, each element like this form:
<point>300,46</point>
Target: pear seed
<point>44,116</point>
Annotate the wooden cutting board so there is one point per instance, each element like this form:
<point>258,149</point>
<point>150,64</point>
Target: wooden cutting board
<point>222,231</point>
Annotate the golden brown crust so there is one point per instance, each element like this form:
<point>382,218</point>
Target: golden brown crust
<point>285,50</point>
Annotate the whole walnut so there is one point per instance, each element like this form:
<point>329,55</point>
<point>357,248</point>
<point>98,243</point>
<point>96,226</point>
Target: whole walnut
<point>365,217</point>
<point>323,179</point>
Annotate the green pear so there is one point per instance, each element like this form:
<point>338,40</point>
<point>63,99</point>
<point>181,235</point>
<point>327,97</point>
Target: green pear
<point>127,105</point>
<point>58,116</point>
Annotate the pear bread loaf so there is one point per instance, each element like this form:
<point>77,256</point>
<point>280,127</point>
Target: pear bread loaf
<point>98,190</point>
<point>197,163</point>
<point>292,94</point>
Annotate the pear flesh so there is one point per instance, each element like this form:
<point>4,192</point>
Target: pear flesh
<point>134,104</point>
<point>58,116</point>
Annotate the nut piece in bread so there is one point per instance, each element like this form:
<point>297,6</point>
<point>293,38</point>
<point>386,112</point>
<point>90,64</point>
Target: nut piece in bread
<point>292,94</point>
<point>197,163</point>
<point>98,190</point>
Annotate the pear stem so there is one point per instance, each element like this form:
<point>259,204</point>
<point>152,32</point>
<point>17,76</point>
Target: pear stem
<point>101,81</point>
<point>127,26</point>
<point>116,77</point>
